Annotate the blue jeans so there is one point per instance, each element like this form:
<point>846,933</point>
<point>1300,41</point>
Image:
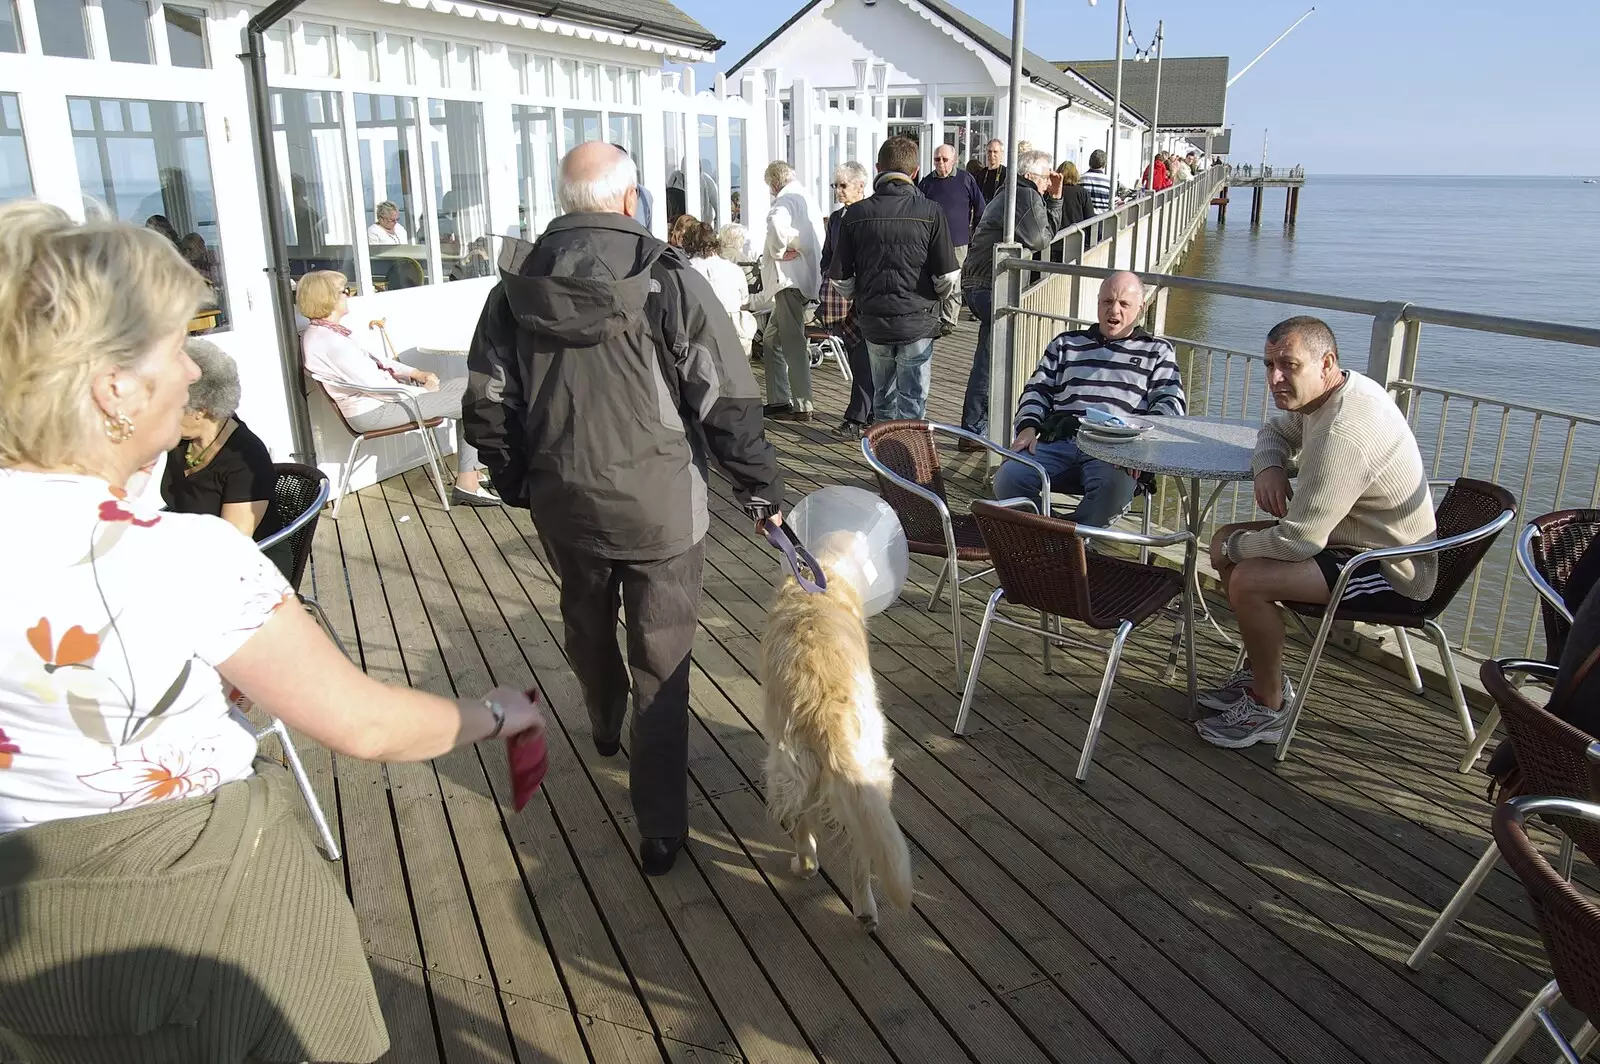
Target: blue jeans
<point>901,374</point>
<point>975,407</point>
<point>1107,491</point>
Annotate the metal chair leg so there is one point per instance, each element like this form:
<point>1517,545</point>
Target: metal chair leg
<point>1144,529</point>
<point>1412,673</point>
<point>1044,626</point>
<point>955,617</point>
<point>1452,912</point>
<point>315,608</point>
<point>1485,733</point>
<point>1517,1034</point>
<point>430,444</point>
<point>938,588</point>
<point>344,476</point>
<point>1564,858</point>
<point>1457,695</point>
<point>1104,697</point>
<point>1304,691</point>
<point>1585,1039</point>
<point>977,660</point>
<point>329,844</point>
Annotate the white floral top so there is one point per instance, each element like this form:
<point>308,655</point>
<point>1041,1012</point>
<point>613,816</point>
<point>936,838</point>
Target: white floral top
<point>113,619</point>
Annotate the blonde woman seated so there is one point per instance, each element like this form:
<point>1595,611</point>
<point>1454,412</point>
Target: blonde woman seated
<point>162,900</point>
<point>219,467</point>
<point>350,373</point>
<point>704,249</point>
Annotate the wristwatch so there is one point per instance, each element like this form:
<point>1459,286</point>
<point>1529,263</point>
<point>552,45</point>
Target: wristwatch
<point>497,711</point>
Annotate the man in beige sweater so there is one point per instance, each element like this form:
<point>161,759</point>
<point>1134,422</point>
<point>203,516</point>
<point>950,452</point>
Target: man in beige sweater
<point>1361,485</point>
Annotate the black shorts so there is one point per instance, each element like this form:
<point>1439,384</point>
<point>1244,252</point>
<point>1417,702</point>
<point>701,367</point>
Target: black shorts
<point>1368,590</point>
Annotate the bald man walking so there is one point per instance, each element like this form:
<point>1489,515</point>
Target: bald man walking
<point>1114,366</point>
<point>603,374</point>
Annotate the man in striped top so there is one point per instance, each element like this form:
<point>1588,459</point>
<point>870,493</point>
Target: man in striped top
<point>1098,182</point>
<point>1114,366</point>
<point>1361,484</point>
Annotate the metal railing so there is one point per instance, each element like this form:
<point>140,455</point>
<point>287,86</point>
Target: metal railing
<point>1549,458</point>
<point>1248,172</point>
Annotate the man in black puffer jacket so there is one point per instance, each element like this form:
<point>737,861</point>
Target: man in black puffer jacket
<point>895,259</point>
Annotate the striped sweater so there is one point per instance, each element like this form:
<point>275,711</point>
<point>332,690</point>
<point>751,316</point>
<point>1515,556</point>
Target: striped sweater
<point>1098,182</point>
<point>1081,371</point>
<point>1361,484</point>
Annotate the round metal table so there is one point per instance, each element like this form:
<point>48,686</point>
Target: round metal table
<point>1191,449</point>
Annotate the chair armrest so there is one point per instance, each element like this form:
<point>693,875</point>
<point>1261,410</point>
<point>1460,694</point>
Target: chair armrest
<point>1546,805</point>
<point>1415,550</point>
<point>298,523</point>
<point>1003,452</point>
<point>1538,670</point>
<point>1540,584</point>
<point>1018,504</point>
<point>1135,539</point>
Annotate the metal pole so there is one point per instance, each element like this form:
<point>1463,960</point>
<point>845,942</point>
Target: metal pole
<point>1116,106</point>
<point>1015,105</point>
<point>303,447</point>
<point>1155,117</point>
<point>1268,48</point>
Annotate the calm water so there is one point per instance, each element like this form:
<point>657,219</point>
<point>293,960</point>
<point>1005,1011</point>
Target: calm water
<point>1522,247</point>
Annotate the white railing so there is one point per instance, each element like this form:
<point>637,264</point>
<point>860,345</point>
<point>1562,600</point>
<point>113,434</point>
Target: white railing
<point>1549,458</point>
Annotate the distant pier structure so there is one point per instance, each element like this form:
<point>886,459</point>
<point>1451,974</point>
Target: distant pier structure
<point>1258,179</point>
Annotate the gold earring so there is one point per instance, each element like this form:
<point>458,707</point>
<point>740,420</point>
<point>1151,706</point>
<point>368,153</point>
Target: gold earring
<point>119,428</point>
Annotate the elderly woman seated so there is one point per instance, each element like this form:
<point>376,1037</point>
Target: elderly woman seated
<point>351,375</point>
<point>219,467</point>
<point>161,900</point>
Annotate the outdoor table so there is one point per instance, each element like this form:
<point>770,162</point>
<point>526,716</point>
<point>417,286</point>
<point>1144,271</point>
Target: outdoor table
<point>1191,449</point>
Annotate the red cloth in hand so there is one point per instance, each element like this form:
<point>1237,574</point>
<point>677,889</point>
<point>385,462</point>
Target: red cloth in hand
<point>529,758</point>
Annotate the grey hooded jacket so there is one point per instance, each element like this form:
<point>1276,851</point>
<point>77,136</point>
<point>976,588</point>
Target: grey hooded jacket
<point>603,374</point>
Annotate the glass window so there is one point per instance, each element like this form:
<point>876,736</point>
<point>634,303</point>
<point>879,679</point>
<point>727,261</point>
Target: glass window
<point>186,37</point>
<point>464,66</point>
<point>397,66</point>
<point>710,174</point>
<point>567,79</point>
<point>673,122</point>
<point>15,180</point>
<point>62,30</point>
<point>128,30</point>
<point>432,72</point>
<point>631,97</point>
<point>955,106</point>
<point>10,39</point>
<point>308,150</point>
<point>460,178</point>
<point>389,152</point>
<point>905,107</point>
<point>519,71</point>
<point>362,52</point>
<point>538,157</point>
<point>613,78</point>
<point>591,82</point>
<point>735,168</point>
<point>280,58</point>
<point>320,56</point>
<point>850,144</point>
<point>146,160</point>
<point>578,127</point>
<point>541,77</point>
<point>982,105</point>
<point>627,132</point>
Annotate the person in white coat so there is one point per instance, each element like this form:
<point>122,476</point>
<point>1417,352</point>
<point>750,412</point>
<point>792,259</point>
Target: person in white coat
<point>791,272</point>
<point>703,246</point>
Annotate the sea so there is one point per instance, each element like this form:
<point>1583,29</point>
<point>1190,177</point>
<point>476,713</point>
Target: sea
<point>1524,247</point>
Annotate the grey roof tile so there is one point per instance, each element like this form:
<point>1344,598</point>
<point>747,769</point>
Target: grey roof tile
<point>1194,90</point>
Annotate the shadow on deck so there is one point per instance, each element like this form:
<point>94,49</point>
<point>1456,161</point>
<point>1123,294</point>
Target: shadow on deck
<point>1186,904</point>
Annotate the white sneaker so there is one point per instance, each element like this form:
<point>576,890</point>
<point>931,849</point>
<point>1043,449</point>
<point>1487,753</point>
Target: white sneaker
<point>1221,697</point>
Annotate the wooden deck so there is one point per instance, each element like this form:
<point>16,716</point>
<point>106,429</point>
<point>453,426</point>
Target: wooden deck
<point>1187,904</point>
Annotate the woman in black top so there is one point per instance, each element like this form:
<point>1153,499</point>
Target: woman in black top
<point>1075,203</point>
<point>219,467</point>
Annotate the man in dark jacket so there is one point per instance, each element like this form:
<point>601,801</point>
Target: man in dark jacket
<point>602,375</point>
<point>1038,215</point>
<point>895,259</point>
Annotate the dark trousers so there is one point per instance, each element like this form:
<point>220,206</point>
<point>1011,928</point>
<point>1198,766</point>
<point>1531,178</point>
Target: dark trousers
<point>860,408</point>
<point>975,405</point>
<point>660,601</point>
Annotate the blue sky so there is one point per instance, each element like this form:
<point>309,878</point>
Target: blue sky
<point>1363,86</point>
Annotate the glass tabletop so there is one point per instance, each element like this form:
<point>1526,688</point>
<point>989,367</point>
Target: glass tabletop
<point>1202,448</point>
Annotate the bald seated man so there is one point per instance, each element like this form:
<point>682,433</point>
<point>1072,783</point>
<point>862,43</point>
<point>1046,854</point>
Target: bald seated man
<point>957,194</point>
<point>1114,366</point>
<point>603,375</point>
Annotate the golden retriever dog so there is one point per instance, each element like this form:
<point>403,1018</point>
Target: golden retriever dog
<point>826,765</point>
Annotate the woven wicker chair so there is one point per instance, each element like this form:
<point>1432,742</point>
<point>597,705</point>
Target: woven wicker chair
<point>1568,922</point>
<point>1041,564</point>
<point>1555,758</point>
<point>1547,550</point>
<point>297,498</point>
<point>905,458</point>
<point>1469,519</point>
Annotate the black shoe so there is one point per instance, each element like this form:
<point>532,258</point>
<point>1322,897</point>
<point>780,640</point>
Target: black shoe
<point>657,855</point>
<point>789,413</point>
<point>850,430</point>
<point>607,748</point>
<point>776,409</point>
